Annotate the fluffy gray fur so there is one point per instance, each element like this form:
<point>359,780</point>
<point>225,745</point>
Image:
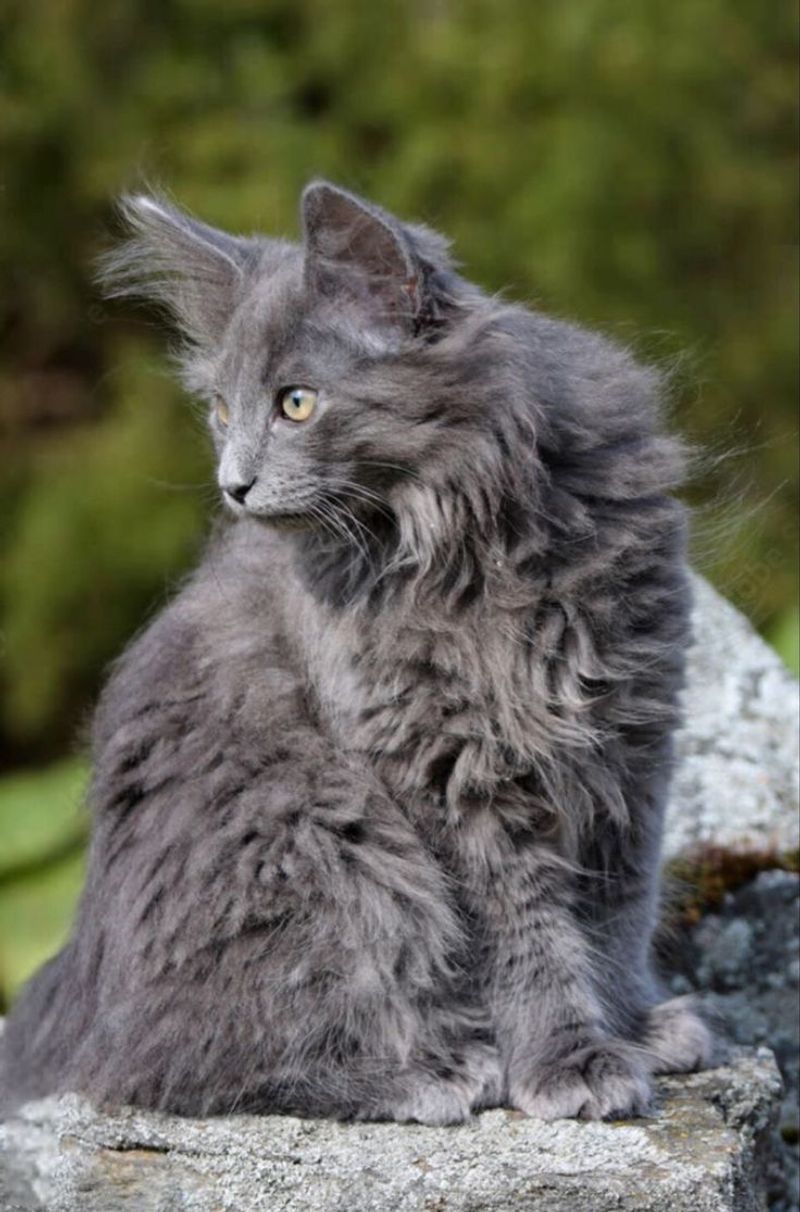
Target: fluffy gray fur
<point>378,798</point>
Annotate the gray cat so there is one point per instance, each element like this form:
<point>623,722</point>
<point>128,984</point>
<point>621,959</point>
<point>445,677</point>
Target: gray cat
<point>378,798</point>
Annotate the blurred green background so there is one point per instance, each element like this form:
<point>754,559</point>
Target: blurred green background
<point>629,166</point>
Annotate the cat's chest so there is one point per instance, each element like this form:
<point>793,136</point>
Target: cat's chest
<point>438,711</point>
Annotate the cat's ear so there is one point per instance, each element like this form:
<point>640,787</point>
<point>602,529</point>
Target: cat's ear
<point>358,252</point>
<point>194,270</point>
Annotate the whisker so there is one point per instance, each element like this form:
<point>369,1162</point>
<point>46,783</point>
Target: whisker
<point>408,471</point>
<point>359,492</point>
<point>340,527</point>
<point>316,511</point>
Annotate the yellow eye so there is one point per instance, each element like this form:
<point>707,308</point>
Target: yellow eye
<point>297,403</point>
<point>221,409</point>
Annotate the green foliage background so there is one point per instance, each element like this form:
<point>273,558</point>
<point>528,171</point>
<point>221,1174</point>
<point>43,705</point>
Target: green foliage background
<point>629,166</point>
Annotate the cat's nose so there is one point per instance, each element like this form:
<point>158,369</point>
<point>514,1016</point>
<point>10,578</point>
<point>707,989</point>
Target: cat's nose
<point>239,490</point>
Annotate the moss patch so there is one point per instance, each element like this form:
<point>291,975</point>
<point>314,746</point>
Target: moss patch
<point>702,880</point>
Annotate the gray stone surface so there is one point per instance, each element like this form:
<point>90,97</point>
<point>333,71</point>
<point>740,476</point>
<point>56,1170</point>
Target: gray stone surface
<point>737,784</point>
<point>705,1149</point>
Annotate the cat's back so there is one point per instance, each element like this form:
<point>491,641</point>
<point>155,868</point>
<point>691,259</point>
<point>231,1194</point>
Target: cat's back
<point>596,415</point>
<point>576,375</point>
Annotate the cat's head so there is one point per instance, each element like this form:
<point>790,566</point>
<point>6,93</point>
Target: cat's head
<point>324,364</point>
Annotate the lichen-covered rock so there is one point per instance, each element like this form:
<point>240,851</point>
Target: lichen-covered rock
<point>705,1149</point>
<point>742,959</point>
<point>733,829</point>
<point>737,784</point>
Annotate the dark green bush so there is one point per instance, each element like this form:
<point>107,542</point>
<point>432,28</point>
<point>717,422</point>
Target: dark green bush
<point>630,166</point>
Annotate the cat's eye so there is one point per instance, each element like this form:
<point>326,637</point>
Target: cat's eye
<point>297,403</point>
<point>222,411</point>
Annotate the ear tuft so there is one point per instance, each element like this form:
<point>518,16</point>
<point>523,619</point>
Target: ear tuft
<point>194,270</point>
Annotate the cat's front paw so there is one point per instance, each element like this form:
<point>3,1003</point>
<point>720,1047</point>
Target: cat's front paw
<point>431,1101</point>
<point>602,1080</point>
<point>473,1081</point>
<point>482,1070</point>
<point>676,1039</point>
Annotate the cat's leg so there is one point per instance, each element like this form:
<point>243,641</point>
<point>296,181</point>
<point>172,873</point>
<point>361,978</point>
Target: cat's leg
<point>561,1055</point>
<point>618,901</point>
<point>675,1038</point>
<point>299,952</point>
<point>387,963</point>
<point>261,928</point>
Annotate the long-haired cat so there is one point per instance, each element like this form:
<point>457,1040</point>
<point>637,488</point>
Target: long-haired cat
<point>377,799</point>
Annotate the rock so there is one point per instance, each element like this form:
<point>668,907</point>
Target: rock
<point>733,829</point>
<point>740,959</point>
<point>737,784</point>
<point>726,948</point>
<point>732,815</point>
<point>705,1149</point>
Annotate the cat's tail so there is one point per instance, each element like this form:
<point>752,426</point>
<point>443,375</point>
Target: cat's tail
<point>33,1049</point>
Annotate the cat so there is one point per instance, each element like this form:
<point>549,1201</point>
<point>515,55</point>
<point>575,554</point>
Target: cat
<point>377,799</point>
